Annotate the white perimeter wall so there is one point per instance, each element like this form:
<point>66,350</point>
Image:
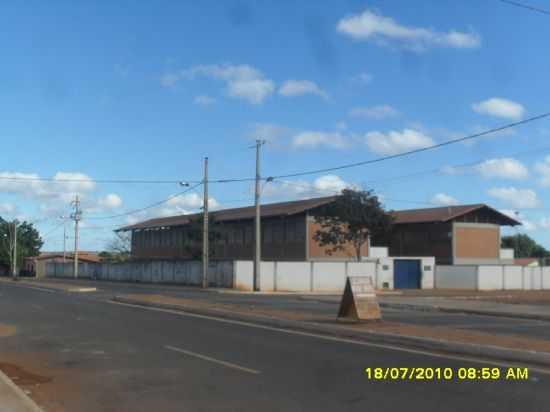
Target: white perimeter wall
<point>493,277</point>
<point>323,276</point>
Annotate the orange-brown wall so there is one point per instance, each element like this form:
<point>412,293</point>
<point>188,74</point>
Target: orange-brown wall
<point>317,251</point>
<point>477,242</point>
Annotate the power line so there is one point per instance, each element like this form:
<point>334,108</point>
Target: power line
<point>422,149</point>
<point>526,6</point>
<point>146,207</point>
<point>81,180</point>
<point>440,170</point>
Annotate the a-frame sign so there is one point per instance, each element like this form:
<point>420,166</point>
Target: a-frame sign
<point>359,300</point>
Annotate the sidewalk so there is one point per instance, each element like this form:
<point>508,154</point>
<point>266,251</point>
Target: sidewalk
<point>13,399</point>
<point>309,319</point>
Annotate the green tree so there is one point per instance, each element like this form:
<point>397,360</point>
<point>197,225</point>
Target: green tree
<point>351,219</point>
<point>524,246</point>
<point>28,242</point>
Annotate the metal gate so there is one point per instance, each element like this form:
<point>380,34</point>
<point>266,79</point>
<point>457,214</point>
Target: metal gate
<point>406,274</point>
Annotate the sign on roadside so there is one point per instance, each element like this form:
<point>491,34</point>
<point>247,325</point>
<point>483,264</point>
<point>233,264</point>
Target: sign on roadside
<point>359,300</point>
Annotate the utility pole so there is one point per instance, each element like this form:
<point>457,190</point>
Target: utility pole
<point>205,227</point>
<point>14,266</point>
<point>76,217</point>
<point>64,239</point>
<point>257,221</point>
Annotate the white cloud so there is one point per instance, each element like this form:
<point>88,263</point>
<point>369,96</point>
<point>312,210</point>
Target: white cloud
<point>292,88</point>
<point>499,107</point>
<point>63,184</point>
<point>372,26</point>
<point>7,208</point>
<point>326,185</point>
<point>379,112</point>
<point>517,198</point>
<point>110,201</point>
<point>268,131</point>
<point>443,199</point>
<point>204,100</point>
<point>395,142</point>
<point>505,168</point>
<point>310,139</point>
<point>185,204</point>
<point>241,81</point>
<point>177,205</point>
<point>527,225</point>
<point>543,169</point>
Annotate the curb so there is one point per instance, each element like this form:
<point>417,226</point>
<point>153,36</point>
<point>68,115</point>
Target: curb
<point>426,308</point>
<point>23,398</point>
<point>474,350</point>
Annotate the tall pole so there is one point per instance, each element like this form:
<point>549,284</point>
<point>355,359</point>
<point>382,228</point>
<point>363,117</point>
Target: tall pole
<point>64,241</point>
<point>257,222</point>
<point>14,266</point>
<point>205,227</point>
<point>76,217</point>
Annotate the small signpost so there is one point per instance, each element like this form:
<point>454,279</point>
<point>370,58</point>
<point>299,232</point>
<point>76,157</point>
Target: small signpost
<point>359,300</point>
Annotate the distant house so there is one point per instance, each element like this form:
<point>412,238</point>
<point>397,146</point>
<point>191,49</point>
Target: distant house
<point>454,235</point>
<point>463,234</point>
<point>527,261</point>
<point>37,265</point>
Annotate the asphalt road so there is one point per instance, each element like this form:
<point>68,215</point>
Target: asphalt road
<point>328,305</point>
<point>107,357</point>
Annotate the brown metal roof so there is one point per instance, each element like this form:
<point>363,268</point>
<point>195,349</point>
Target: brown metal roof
<point>446,214</point>
<point>435,214</point>
<point>241,213</point>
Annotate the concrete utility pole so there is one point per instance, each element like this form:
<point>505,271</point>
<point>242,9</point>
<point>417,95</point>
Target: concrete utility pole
<point>64,239</point>
<point>76,217</point>
<point>14,266</point>
<point>257,221</point>
<point>205,227</point>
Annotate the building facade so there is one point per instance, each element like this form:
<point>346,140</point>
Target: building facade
<point>454,235</point>
<point>288,231</point>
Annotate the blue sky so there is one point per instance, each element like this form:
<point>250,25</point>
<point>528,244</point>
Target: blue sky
<point>145,90</point>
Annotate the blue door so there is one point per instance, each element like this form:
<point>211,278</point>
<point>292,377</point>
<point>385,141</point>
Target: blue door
<point>406,274</point>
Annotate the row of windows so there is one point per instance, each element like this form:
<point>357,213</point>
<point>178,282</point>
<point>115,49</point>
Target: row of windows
<point>236,235</point>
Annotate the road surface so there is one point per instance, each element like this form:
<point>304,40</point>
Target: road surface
<point>98,356</point>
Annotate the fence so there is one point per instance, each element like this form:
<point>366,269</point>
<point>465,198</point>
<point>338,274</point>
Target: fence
<point>317,276</point>
<point>220,273</point>
<point>492,277</point>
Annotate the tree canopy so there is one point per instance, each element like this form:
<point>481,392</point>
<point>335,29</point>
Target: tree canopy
<point>524,246</point>
<point>28,242</point>
<point>351,219</point>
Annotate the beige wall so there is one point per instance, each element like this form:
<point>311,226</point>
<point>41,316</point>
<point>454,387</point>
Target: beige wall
<point>476,241</point>
<point>316,251</point>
